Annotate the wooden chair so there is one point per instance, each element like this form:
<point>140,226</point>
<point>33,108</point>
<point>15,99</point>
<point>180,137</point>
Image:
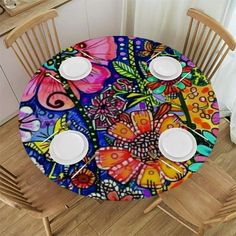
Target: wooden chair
<point>207,198</point>
<point>207,42</point>
<point>34,193</point>
<point>35,41</point>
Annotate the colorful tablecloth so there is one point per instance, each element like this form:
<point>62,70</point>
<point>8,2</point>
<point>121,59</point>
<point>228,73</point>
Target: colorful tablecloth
<point>122,110</point>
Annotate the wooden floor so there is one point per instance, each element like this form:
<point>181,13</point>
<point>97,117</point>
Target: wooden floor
<point>91,218</point>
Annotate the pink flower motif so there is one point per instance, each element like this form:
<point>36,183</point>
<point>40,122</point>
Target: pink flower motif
<point>102,48</point>
<point>53,96</point>
<point>94,82</point>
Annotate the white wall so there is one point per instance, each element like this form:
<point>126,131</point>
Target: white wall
<point>8,102</point>
<point>83,19</point>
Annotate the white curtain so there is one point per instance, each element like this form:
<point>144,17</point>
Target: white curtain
<point>224,82</point>
<point>166,21</point>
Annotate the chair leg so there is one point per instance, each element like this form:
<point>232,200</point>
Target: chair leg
<point>47,226</point>
<point>201,231</point>
<point>152,205</point>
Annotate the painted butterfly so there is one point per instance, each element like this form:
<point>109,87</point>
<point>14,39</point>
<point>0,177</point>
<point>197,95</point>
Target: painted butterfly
<point>150,49</point>
<point>42,146</point>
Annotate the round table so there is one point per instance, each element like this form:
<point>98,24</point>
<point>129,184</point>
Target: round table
<point>122,110</point>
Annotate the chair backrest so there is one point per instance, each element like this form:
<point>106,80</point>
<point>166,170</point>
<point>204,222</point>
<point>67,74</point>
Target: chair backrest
<point>227,211</point>
<point>35,41</point>
<point>11,193</point>
<point>207,42</point>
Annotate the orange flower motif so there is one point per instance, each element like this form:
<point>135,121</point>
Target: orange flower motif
<point>136,140</point>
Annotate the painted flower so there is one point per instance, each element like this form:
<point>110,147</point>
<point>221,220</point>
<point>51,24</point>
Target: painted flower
<point>136,140</point>
<point>159,86</point>
<point>105,108</point>
<point>52,95</point>
<point>109,190</point>
<point>166,87</point>
<point>101,48</point>
<point>84,179</point>
<point>28,123</point>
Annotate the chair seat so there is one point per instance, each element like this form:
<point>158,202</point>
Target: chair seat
<point>206,191</point>
<point>45,195</point>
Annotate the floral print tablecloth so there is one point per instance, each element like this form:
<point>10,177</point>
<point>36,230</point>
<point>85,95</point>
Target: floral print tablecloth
<point>122,110</point>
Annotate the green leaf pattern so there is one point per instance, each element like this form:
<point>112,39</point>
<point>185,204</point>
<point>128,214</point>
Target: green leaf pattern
<point>124,69</point>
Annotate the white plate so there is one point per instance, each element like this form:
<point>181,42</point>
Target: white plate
<point>75,68</point>
<point>177,144</point>
<point>68,147</point>
<point>165,68</point>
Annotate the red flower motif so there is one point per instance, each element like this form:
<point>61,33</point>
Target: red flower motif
<point>105,108</point>
<point>84,179</point>
<point>167,87</point>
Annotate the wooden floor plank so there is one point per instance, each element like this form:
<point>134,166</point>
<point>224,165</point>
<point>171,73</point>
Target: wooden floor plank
<point>132,221</point>
<point>83,229</point>
<point>110,212</point>
<point>159,224</point>
<point>75,217</point>
<point>226,229</point>
<point>25,226</point>
<point>7,219</point>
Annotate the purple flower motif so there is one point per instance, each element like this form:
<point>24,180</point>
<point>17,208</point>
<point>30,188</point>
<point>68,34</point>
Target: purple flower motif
<point>28,123</point>
<point>189,63</point>
<point>216,116</point>
<point>184,58</point>
<point>215,105</point>
<point>105,108</point>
